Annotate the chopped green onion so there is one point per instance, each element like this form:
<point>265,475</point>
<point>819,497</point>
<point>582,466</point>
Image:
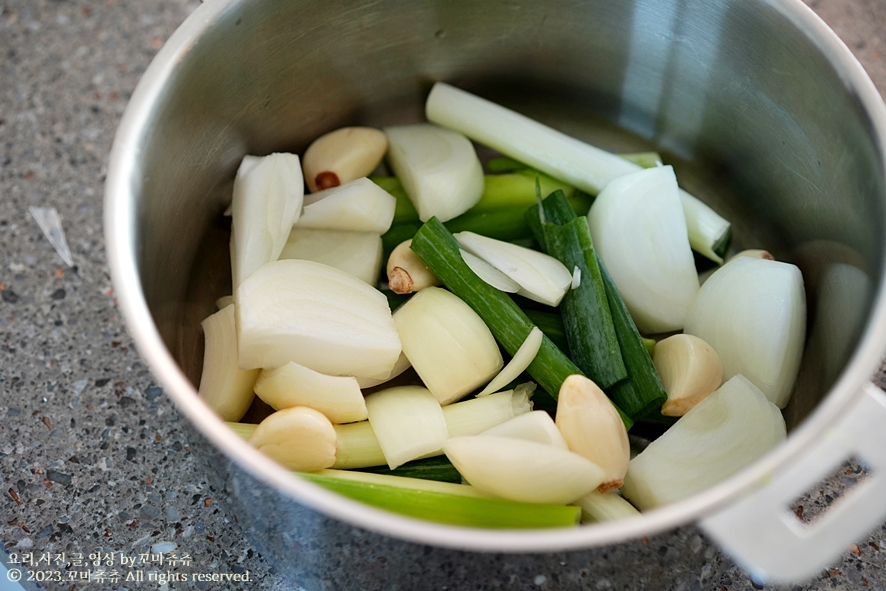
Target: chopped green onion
<point>441,253</point>
<point>642,394</point>
<point>416,498</point>
<point>551,324</point>
<point>586,316</point>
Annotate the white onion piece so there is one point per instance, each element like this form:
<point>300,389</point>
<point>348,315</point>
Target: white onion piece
<point>489,274</point>
<point>357,206</point>
<point>518,363</point>
<point>640,233</point>
<point>576,278</point>
<point>438,167</point>
<point>268,194</point>
<point>337,397</point>
<point>598,507</point>
<point>535,426</point>
<point>357,253</point>
<point>725,432</point>
<point>224,387</point>
<point>753,313</point>
<point>448,344</point>
<point>541,277</point>
<point>521,470</point>
<point>408,423</point>
<point>316,316</point>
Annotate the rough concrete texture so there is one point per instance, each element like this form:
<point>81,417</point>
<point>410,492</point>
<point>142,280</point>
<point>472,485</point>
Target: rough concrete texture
<point>93,457</point>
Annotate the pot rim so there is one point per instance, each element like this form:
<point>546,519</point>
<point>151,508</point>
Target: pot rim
<point>120,231</point>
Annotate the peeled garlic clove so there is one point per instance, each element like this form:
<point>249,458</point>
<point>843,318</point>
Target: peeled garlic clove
<point>406,272</point>
<point>521,470</point>
<point>343,155</point>
<point>592,428</point>
<point>689,368</point>
<point>225,387</point>
<point>299,438</point>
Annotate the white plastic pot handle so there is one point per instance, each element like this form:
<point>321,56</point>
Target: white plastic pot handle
<point>765,538</point>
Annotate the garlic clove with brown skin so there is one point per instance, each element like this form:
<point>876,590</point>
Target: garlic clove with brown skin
<point>593,429</point>
<point>299,438</point>
<point>690,370</point>
<point>342,156</point>
<point>406,272</point>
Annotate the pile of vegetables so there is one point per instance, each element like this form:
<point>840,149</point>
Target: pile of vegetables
<point>561,280</point>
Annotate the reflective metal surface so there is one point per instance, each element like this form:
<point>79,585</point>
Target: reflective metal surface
<point>763,111</point>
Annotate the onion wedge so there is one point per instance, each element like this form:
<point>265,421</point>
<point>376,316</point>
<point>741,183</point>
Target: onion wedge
<point>448,344</point>
<point>722,434</point>
<point>268,195</point>
<point>316,316</point>
<point>640,233</point>
<point>357,253</point>
<point>408,422</point>
<point>753,313</point>
<point>358,206</point>
<point>438,167</point>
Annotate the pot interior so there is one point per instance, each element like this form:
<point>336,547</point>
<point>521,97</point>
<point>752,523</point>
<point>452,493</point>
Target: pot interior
<point>756,118</point>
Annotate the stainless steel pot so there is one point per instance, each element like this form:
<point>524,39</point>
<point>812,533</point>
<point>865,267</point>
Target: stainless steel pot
<point>763,110</point>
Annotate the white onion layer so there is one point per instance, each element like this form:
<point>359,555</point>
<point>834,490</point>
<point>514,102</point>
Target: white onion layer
<point>268,194</point>
<point>722,434</point>
<point>640,233</point>
<point>438,167</point>
<point>225,387</point>
<point>357,253</point>
<point>337,397</point>
<point>535,426</point>
<point>316,316</point>
<point>489,274</point>
<point>753,313</point>
<point>518,363</point>
<point>408,423</point>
